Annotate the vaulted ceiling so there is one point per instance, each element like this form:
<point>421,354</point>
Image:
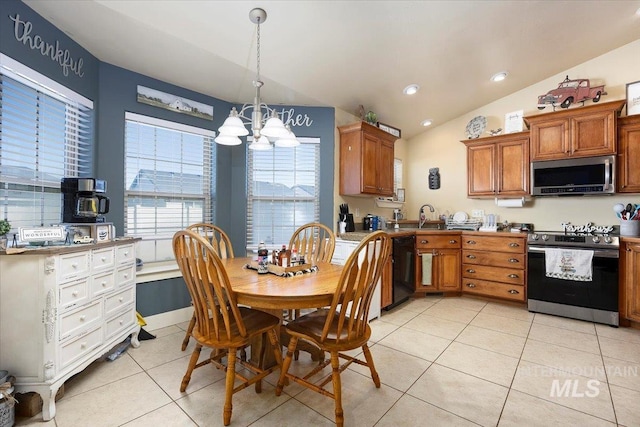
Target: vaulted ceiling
<point>347,53</point>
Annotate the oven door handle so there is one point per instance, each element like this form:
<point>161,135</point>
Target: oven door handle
<point>596,253</point>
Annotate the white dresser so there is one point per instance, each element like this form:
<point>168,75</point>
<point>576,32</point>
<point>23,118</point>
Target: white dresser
<point>63,307</point>
<point>343,250</point>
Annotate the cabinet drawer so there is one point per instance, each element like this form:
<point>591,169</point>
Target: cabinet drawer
<point>118,300</point>
<point>121,321</point>
<point>493,289</point>
<point>102,259</point>
<point>494,243</point>
<point>73,266</point>
<point>125,254</point>
<point>102,283</point>
<point>73,294</point>
<point>497,274</point>
<point>497,259</point>
<point>76,349</point>
<point>431,241</point>
<point>125,275</point>
<point>74,322</point>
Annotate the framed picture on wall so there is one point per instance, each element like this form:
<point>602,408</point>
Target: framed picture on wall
<point>633,98</point>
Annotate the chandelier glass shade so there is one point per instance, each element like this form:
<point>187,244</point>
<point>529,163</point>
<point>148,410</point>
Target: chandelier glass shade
<point>262,130</point>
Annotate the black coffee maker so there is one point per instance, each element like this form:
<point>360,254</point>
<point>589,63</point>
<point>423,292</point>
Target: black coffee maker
<point>83,200</point>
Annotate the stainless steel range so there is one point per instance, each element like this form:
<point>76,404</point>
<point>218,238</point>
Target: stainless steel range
<point>574,275</point>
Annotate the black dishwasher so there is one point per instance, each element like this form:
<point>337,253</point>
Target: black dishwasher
<point>403,269</point>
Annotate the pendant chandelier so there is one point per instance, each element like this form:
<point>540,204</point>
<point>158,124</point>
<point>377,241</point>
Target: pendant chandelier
<point>262,129</point>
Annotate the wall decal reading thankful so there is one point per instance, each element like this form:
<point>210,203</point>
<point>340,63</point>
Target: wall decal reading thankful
<point>22,32</point>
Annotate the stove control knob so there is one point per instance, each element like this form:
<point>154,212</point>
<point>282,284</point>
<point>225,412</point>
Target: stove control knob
<point>534,236</point>
<point>596,239</point>
<point>608,239</point>
<point>545,237</point>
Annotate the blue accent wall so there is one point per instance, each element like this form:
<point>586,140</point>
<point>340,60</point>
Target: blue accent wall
<point>114,91</point>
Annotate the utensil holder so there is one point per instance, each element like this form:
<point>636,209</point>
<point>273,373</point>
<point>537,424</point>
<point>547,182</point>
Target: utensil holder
<point>629,228</point>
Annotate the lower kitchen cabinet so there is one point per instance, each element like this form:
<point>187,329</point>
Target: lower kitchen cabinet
<point>61,308</point>
<point>629,280</point>
<point>494,266</point>
<point>444,250</point>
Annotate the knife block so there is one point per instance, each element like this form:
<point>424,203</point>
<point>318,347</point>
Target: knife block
<point>350,225</point>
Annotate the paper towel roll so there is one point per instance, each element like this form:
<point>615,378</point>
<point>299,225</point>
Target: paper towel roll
<point>510,203</point>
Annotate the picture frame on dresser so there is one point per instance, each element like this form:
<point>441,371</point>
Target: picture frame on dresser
<point>633,98</point>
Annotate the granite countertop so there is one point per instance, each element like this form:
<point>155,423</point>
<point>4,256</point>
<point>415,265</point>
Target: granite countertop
<point>410,231</point>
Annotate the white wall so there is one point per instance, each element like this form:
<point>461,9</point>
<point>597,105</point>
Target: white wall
<point>441,147</point>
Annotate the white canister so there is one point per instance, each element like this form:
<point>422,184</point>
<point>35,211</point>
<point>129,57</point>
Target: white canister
<point>630,228</point>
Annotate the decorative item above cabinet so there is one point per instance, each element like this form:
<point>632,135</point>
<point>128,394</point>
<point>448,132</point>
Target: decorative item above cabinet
<point>366,160</point>
<point>576,132</point>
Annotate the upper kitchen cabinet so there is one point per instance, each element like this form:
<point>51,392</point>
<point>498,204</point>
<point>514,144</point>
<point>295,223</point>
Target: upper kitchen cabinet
<point>498,166</point>
<point>629,154</point>
<point>366,160</point>
<point>577,132</point>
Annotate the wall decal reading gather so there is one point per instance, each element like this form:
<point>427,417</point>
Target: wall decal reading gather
<point>22,32</point>
<point>290,118</point>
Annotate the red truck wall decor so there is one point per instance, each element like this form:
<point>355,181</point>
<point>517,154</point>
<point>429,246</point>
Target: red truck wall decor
<point>570,92</point>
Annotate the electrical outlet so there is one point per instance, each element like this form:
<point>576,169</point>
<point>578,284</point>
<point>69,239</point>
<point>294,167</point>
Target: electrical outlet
<point>357,212</point>
<point>477,213</point>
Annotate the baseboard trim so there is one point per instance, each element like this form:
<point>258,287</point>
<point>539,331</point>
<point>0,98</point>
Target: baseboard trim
<point>169,318</point>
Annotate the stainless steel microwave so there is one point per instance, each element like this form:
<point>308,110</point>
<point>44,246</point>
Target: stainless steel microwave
<point>574,177</point>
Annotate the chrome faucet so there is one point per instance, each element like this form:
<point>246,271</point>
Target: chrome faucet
<point>422,220</point>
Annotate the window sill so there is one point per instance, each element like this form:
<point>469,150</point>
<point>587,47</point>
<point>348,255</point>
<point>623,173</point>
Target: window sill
<point>157,271</point>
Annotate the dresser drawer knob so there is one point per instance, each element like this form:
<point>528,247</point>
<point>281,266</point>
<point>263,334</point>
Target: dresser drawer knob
<point>74,293</point>
<point>126,276</point>
<point>82,318</point>
<point>514,245</point>
<point>471,256</point>
<point>83,344</point>
<point>514,260</point>
<point>120,299</point>
<point>121,321</point>
<point>513,276</point>
<point>471,285</point>
<point>513,291</point>
<point>126,253</point>
<point>103,284</point>
<point>74,265</point>
<point>103,259</point>
<point>471,242</point>
<point>424,242</point>
<point>452,241</point>
<point>470,270</point>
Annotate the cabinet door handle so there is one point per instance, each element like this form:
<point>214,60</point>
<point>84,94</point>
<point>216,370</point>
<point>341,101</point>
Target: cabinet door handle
<point>470,270</point>
<point>514,245</point>
<point>471,285</point>
<point>452,241</point>
<point>514,260</point>
<point>471,242</point>
<point>471,256</point>
<point>513,276</point>
<point>513,291</point>
<point>424,242</point>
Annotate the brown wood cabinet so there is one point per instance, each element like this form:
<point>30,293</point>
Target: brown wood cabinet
<point>628,163</point>
<point>577,132</point>
<point>630,279</point>
<point>366,160</point>
<point>494,266</point>
<point>444,248</point>
<point>498,166</point>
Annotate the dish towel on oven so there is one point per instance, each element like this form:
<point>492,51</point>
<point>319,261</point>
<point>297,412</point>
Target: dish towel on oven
<point>427,261</point>
<point>569,264</point>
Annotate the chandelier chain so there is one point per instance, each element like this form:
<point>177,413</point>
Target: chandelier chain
<point>258,54</point>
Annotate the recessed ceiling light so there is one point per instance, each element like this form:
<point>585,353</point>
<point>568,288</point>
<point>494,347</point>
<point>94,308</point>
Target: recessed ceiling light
<point>498,77</point>
<point>411,89</point>
<point>426,123</point>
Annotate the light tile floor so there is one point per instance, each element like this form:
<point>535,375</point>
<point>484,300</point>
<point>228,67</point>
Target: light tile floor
<point>442,362</point>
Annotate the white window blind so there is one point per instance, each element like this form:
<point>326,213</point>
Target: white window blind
<point>397,175</point>
<point>283,191</point>
<point>46,133</point>
<point>169,181</point>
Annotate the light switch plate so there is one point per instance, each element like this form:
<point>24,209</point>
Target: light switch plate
<point>477,213</point>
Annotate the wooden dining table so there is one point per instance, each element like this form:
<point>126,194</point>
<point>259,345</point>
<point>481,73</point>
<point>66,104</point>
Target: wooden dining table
<point>272,293</point>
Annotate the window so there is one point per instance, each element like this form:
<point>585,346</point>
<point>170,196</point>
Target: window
<point>397,175</point>
<point>46,133</point>
<point>169,182</point>
<point>283,191</point>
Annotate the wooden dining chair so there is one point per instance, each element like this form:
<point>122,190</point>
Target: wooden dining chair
<point>221,243</point>
<point>344,325</point>
<point>222,326</point>
<point>315,241</point>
